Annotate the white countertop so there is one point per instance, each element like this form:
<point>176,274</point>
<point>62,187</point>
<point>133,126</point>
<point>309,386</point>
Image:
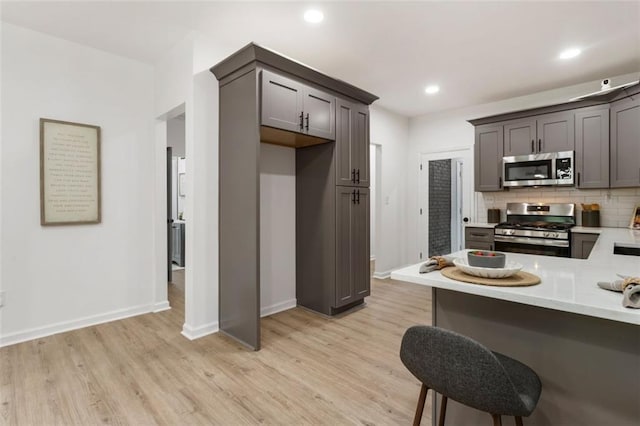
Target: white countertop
<point>479,225</point>
<point>568,285</point>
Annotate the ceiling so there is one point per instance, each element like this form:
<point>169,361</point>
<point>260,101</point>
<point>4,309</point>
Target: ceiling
<point>477,52</point>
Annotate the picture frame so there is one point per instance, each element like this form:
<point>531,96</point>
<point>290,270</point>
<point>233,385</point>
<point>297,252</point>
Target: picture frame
<point>70,180</point>
<point>635,218</point>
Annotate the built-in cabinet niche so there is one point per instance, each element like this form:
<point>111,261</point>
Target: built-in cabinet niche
<point>267,98</point>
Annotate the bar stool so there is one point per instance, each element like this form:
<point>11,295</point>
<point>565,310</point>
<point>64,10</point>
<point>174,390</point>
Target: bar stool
<point>462,369</point>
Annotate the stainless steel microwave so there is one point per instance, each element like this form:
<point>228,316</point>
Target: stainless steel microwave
<point>551,168</point>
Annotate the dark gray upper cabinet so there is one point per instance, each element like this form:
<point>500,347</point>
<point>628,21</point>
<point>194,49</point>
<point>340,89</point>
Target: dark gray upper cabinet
<point>592,147</point>
<point>296,107</point>
<point>352,245</point>
<point>520,137</point>
<point>352,144</point>
<point>488,157</point>
<point>281,102</point>
<point>555,132</point>
<point>625,143</point>
<point>544,133</point>
<point>319,114</point>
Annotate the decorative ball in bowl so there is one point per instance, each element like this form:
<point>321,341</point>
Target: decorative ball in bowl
<point>486,259</point>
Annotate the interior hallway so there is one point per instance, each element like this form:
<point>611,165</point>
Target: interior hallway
<point>142,371</point>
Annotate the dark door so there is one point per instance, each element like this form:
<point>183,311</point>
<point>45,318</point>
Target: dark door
<point>319,113</point>
<point>169,214</point>
<point>520,138</point>
<point>352,245</point>
<point>360,247</point>
<point>281,102</point>
<point>345,201</point>
<point>345,172</point>
<point>592,148</point>
<point>555,132</point>
<point>439,207</point>
<point>352,144</point>
<point>488,158</point>
<point>360,145</point>
<point>625,143</point>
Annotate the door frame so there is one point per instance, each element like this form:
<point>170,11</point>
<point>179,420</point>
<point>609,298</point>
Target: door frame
<point>465,156</point>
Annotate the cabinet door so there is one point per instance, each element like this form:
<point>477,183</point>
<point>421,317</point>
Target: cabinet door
<point>360,252</point>
<point>345,291</point>
<point>352,144</point>
<point>555,132</point>
<point>582,244</point>
<point>592,148</point>
<point>625,143</point>
<point>282,100</point>
<point>319,113</point>
<point>488,158</point>
<point>360,145</point>
<point>519,137</point>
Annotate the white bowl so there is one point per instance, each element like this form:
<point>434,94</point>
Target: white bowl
<point>509,269</point>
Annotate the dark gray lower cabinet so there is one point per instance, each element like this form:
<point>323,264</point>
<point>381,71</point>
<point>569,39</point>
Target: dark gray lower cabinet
<point>352,245</point>
<point>582,244</point>
<point>478,238</point>
<point>332,235</point>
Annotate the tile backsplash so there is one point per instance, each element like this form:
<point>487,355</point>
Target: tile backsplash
<point>616,205</point>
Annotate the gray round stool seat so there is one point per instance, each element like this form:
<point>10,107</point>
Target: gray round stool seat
<point>462,369</point>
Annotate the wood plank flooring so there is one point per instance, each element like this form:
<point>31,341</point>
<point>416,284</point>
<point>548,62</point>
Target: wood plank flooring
<point>142,371</point>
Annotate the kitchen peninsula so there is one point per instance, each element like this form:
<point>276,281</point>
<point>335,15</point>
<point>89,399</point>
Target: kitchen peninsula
<point>579,339</point>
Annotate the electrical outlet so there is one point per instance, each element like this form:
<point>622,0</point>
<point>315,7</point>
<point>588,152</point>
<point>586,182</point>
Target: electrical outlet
<point>2,298</point>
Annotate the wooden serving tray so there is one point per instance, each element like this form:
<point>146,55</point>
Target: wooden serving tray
<point>519,279</point>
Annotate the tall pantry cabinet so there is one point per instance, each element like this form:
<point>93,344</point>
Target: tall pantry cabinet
<point>265,97</point>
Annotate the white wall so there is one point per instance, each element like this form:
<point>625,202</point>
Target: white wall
<point>201,207</point>
<point>372,199</point>
<point>391,132</point>
<point>58,278</point>
<point>277,228</point>
<point>449,130</point>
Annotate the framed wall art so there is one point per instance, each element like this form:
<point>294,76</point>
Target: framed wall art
<point>69,173</point>
<point>635,218</point>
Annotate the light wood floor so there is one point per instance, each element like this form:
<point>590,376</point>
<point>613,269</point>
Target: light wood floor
<point>141,371</point>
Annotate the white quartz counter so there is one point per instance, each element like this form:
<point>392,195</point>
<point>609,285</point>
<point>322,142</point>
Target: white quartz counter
<point>568,285</point>
<point>479,225</point>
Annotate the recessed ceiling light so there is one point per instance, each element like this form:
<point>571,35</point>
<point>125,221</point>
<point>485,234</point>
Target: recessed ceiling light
<point>313,16</point>
<point>433,89</point>
<point>570,53</point>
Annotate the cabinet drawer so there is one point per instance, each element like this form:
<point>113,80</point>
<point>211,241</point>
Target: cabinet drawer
<point>479,234</point>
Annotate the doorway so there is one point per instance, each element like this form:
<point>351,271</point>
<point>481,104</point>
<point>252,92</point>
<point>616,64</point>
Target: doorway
<point>445,201</point>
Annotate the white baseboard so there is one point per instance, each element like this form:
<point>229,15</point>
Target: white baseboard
<point>372,258</point>
<point>61,327</point>
<point>193,333</point>
<point>161,306</point>
<point>382,275</point>
<point>278,307</point>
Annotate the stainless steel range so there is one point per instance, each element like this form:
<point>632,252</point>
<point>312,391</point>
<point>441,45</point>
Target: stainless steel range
<point>536,228</point>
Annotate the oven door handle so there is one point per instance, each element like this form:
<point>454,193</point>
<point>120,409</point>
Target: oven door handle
<point>531,241</point>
